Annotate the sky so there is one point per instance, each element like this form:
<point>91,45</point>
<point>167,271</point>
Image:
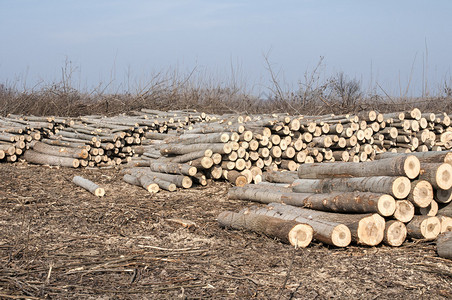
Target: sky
<point>391,46</point>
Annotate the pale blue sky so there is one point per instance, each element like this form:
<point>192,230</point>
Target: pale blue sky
<point>131,40</point>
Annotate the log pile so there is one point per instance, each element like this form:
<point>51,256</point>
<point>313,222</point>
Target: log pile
<point>386,200</point>
<point>236,148</point>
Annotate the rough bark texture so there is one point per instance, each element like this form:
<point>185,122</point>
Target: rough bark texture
<point>280,177</point>
<point>59,151</point>
<point>89,186</point>
<point>408,166</point>
<point>331,233</point>
<point>367,229</point>
<point>291,232</point>
<point>45,159</point>
<point>439,175</point>
<point>444,245</point>
<point>172,168</point>
<point>397,186</point>
<point>424,227</point>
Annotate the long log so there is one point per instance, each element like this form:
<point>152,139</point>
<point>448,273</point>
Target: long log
<point>59,151</point>
<point>292,232</point>
<point>439,175</point>
<point>397,186</point>
<point>353,202</point>
<point>331,233</point>
<point>172,168</point>
<point>408,166</point>
<point>89,186</point>
<point>280,177</point>
<point>184,149</point>
<point>367,229</point>
<point>45,159</point>
<point>424,227</point>
<point>444,245</point>
<point>179,180</point>
<point>424,157</point>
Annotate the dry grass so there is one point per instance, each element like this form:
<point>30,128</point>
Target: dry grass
<point>313,96</point>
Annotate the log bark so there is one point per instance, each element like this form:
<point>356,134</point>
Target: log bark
<point>172,168</point>
<point>179,180</point>
<point>423,227</point>
<point>279,177</point>
<point>444,245</point>
<point>439,175</point>
<point>89,186</point>
<point>59,151</point>
<point>443,196</point>
<point>445,209</point>
<point>148,183</point>
<point>424,157</point>
<point>367,229</point>
<point>353,202</point>
<point>45,159</point>
<point>331,233</point>
<point>397,186</point>
<point>291,232</point>
<point>184,149</point>
<point>395,233</point>
<point>408,166</point>
<point>236,178</point>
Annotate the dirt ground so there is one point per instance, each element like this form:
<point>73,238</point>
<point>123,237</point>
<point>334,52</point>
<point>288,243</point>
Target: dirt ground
<point>57,241</point>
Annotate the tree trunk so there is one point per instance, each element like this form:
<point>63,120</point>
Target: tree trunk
<point>179,180</point>
<point>439,175</point>
<point>236,178</point>
<point>172,168</point>
<point>184,149</point>
<point>395,233</point>
<point>59,151</point>
<point>191,156</point>
<point>365,229</point>
<point>424,157</point>
<point>89,186</point>
<point>331,233</point>
<point>45,159</point>
<point>397,186</point>
<point>292,232</point>
<point>353,202</point>
<point>398,166</point>
<point>444,245</point>
<point>280,177</point>
<point>423,227</point>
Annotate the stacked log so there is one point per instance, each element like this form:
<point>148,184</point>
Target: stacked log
<point>399,190</point>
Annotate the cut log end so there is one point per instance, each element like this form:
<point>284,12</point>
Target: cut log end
<point>99,192</point>
<point>301,235</point>
<point>422,194</point>
<point>341,236</point>
<point>152,188</point>
<point>443,196</point>
<point>386,205</point>
<point>371,230</point>
<point>404,211</point>
<point>401,187</point>
<point>412,166</point>
<point>444,176</point>
<point>446,223</point>
<point>395,233</point>
<point>430,228</point>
